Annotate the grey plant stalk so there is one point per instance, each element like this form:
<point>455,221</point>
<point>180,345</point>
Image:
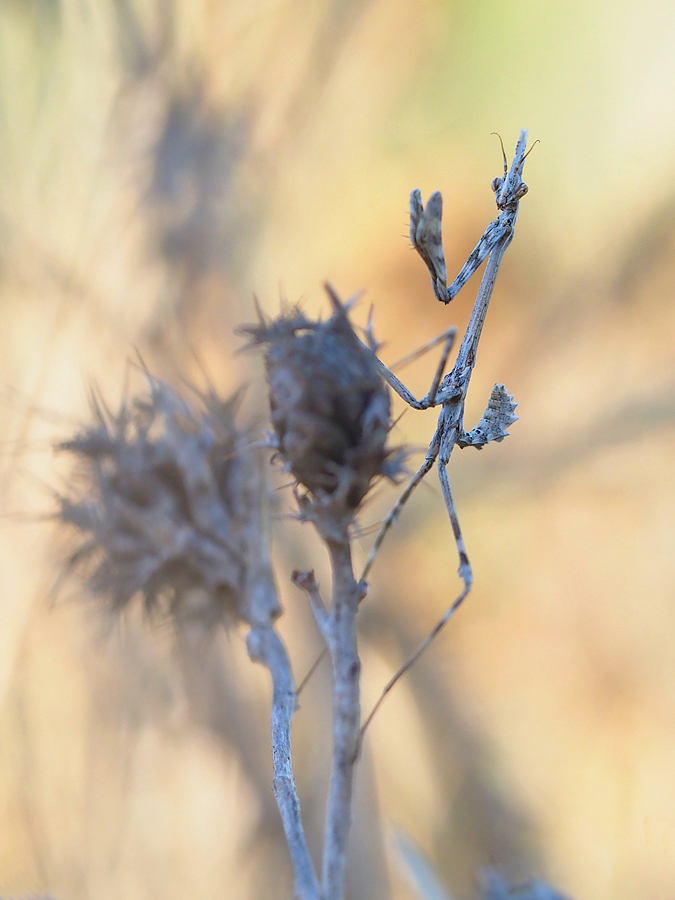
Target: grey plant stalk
<point>265,646</point>
<point>338,628</point>
<point>346,665</point>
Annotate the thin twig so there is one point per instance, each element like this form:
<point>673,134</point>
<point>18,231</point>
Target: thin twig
<point>308,583</point>
<point>265,646</point>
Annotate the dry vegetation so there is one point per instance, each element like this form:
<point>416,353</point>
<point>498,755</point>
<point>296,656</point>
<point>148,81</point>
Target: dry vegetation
<point>159,162</point>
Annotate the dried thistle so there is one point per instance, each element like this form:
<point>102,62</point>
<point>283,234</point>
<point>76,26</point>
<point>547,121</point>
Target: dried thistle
<point>170,509</point>
<point>330,408</point>
<point>167,507</point>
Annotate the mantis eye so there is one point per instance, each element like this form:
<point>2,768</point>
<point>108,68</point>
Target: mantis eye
<point>521,190</point>
<point>496,184</point>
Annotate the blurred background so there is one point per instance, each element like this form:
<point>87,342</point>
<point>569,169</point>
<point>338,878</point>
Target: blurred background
<point>163,160</point>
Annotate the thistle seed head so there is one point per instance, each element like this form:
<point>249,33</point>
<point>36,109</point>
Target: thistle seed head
<point>329,406</point>
<point>164,501</point>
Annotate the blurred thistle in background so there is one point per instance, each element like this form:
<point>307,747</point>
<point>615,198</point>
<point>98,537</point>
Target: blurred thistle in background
<point>161,504</point>
<point>162,161</point>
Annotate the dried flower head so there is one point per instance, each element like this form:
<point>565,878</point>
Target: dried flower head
<point>167,505</point>
<point>329,406</point>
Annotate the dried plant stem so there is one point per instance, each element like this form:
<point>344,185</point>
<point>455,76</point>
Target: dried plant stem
<point>346,666</point>
<point>265,646</point>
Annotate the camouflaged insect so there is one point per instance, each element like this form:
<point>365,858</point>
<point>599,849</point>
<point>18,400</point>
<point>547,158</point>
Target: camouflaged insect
<point>448,391</point>
<point>496,419</point>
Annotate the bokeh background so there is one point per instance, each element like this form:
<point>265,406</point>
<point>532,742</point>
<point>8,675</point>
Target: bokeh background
<point>163,160</point>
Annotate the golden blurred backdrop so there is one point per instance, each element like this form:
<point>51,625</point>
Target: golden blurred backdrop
<point>163,160</point>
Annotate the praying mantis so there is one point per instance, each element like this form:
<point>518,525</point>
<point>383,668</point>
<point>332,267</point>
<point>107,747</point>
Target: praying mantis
<point>448,391</point>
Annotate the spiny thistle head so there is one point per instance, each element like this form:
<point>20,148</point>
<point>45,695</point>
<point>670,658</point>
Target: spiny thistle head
<point>329,406</point>
<point>167,505</point>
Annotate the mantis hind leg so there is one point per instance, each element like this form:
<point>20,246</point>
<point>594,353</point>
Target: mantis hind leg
<point>465,574</point>
<point>395,511</point>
